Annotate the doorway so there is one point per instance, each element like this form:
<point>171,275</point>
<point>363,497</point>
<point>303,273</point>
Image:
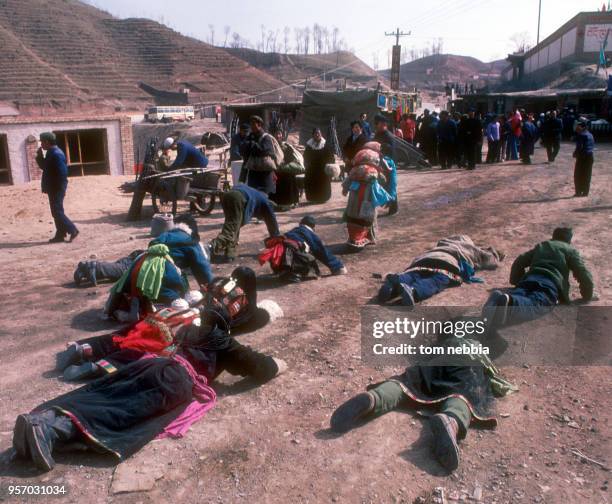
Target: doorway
<point>5,164</point>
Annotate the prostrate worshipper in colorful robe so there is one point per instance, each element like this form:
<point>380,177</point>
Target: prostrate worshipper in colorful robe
<point>450,263</point>
<point>453,397</point>
<point>294,255</point>
<point>151,381</point>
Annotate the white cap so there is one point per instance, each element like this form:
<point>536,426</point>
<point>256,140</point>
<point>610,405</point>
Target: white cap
<point>168,142</point>
<point>193,297</point>
<point>179,304</point>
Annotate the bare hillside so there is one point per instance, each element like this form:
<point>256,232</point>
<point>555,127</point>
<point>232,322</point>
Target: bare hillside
<point>65,52</point>
<point>295,68</point>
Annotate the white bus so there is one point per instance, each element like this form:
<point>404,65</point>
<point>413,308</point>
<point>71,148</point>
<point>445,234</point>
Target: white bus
<point>169,114</point>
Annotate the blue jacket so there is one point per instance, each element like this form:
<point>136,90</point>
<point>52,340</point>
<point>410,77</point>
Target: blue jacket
<point>585,144</point>
<point>447,131</point>
<point>236,146</point>
<point>173,285</point>
<point>304,234</point>
<point>188,157</point>
<point>55,171</point>
<point>367,129</point>
<point>258,205</point>
<point>186,253</point>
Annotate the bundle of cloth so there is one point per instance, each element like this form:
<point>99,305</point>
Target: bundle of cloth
<point>149,381</point>
<point>365,186</point>
<point>294,255</point>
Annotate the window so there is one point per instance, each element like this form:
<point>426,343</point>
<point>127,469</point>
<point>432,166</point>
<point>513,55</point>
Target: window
<point>5,167</point>
<point>86,151</point>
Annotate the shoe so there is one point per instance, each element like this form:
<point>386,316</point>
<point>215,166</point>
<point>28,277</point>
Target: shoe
<point>90,271</point>
<point>72,355</point>
<point>73,235</point>
<point>340,271</point>
<point>498,302</point>
<point>56,239</point>
<point>446,449</point>
<point>352,413</point>
<point>387,290</point>
<point>281,366</point>
<point>407,294</point>
<point>40,438</point>
<point>79,274</point>
<point>81,372</point>
<point>20,442</point>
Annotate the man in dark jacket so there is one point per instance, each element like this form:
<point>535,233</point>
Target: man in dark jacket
<point>585,145</point>
<point>187,156</point>
<point>529,137</point>
<point>240,205</point>
<point>471,133</point>
<point>545,283</point>
<point>551,135</point>
<point>54,183</point>
<point>447,140</point>
<point>353,144</point>
<point>259,158</point>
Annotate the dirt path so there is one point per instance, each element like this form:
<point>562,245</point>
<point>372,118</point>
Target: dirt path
<point>271,444</point>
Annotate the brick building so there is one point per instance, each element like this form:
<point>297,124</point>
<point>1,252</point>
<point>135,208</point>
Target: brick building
<point>94,145</point>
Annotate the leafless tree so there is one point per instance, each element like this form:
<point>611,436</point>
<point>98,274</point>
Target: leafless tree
<point>306,36</point>
<point>297,32</point>
<point>334,38</point>
<point>325,33</point>
<point>375,61</point>
<point>521,41</point>
<point>226,31</point>
<point>286,32</point>
<point>263,37</point>
<point>212,34</point>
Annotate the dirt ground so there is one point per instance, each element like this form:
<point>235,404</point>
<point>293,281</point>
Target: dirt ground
<point>272,444</point>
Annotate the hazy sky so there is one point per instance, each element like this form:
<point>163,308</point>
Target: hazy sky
<point>479,28</point>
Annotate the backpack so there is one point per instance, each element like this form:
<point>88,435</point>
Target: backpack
<point>279,155</point>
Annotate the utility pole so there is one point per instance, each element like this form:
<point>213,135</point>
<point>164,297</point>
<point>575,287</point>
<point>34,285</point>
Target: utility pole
<point>395,59</point>
<point>539,17</point>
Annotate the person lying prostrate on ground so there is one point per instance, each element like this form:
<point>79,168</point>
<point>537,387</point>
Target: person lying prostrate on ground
<point>187,156</point>
<point>240,205</point>
<point>94,271</point>
<point>158,276</point>
<point>450,263</point>
<point>544,284</point>
<point>294,255</point>
<point>142,393</point>
<point>453,397</point>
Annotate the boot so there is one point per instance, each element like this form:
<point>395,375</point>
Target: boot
<point>84,371</point>
<point>352,413</point>
<point>90,268</point>
<point>446,450</point>
<point>72,355</point>
<point>42,432</point>
<point>79,274</point>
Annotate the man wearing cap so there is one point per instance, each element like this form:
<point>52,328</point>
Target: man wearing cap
<point>187,155</point>
<point>237,141</point>
<point>240,205</point>
<point>54,183</point>
<point>585,144</point>
<point>259,158</point>
<point>545,283</point>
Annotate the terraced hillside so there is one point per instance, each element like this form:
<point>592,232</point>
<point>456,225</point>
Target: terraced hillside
<point>61,52</point>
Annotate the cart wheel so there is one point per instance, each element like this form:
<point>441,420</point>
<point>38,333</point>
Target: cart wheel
<point>204,203</point>
<point>160,205</point>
